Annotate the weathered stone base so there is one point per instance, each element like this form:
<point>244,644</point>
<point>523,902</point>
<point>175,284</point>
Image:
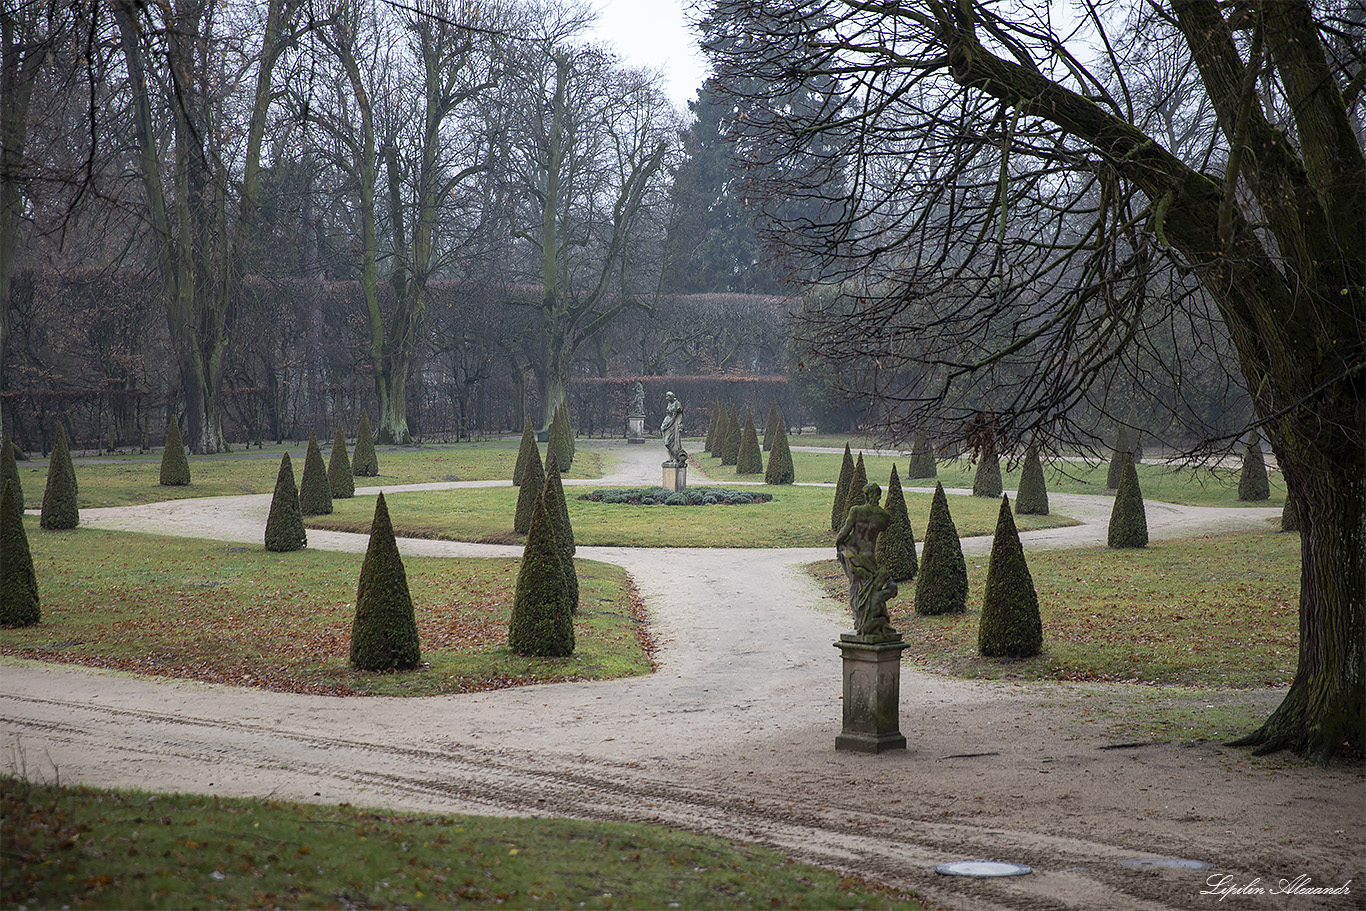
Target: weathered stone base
<point>675,476</point>
<point>872,694</point>
<point>635,428</point>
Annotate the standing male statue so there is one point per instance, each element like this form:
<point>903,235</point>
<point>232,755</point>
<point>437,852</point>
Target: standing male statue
<point>870,586</point>
<point>671,429</point>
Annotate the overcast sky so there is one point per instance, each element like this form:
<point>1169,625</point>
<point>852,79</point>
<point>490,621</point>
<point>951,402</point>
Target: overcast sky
<point>655,33</point>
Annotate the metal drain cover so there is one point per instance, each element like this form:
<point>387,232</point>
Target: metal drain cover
<point>1163,863</point>
<point>982,869</point>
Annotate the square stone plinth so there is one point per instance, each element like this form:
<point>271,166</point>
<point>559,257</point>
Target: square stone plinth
<point>872,694</point>
<point>675,476</point>
<point>635,428</point>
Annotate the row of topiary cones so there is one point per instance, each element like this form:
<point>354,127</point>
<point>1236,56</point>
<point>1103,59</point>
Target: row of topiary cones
<point>737,443</point>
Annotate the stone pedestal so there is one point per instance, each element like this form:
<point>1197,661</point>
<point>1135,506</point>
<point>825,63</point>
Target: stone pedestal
<point>872,694</point>
<point>635,428</point>
<point>675,476</point>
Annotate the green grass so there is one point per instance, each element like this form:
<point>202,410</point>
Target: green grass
<point>239,615</point>
<point>1220,611</point>
<point>129,480</point>
<point>797,517</point>
<point>80,847</point>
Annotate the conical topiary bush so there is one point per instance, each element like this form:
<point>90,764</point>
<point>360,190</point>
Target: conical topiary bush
<point>896,544</point>
<point>285,525</point>
<point>542,622</point>
<point>1290,520</point>
<point>315,493</point>
<point>175,467</point>
<point>9,469</point>
<point>557,509</point>
<point>941,585</point>
<point>854,495</point>
<point>749,459</point>
<point>780,469</point>
<point>1032,497</point>
<point>18,581</point>
<point>710,442</point>
<point>771,423</point>
<point>364,460</point>
<point>922,464</point>
<point>523,453</point>
<point>384,631</point>
<point>735,431</point>
<point>718,443</point>
<point>1010,626</point>
<point>846,476</point>
<point>1128,519</point>
<point>529,491</point>
<point>1252,482</point>
<point>340,481</point>
<point>561,439</point>
<point>1118,457</point>
<point>59,497</point>
<point>987,481</point>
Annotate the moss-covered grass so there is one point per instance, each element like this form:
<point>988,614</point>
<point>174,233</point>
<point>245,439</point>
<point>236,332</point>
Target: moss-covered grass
<point>240,615</point>
<point>80,847</point>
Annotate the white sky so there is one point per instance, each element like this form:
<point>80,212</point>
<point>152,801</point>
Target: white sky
<point>655,34</point>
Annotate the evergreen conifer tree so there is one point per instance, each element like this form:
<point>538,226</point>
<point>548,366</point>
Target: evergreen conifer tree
<point>59,497</point>
<point>922,463</point>
<point>1010,626</point>
<point>1128,519</point>
<point>384,631</point>
<point>175,467</point>
<point>987,481</point>
<point>285,525</point>
<point>780,469</point>
<point>542,622</point>
<point>896,544</point>
<point>523,453</point>
<point>1290,520</point>
<point>941,585</point>
<point>1121,453</point>
<point>749,459</point>
<point>557,509</point>
<point>9,469</point>
<point>735,431</point>
<point>1032,497</point>
<point>364,460</point>
<point>771,423</point>
<point>529,491</point>
<point>315,493</point>
<point>837,510</point>
<point>710,443</point>
<point>18,581</point>
<point>340,481</point>
<point>1252,482</point>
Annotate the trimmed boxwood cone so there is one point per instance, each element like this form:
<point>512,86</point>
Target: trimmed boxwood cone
<point>315,493</point>
<point>854,495</point>
<point>384,631</point>
<point>749,459</point>
<point>1252,483</point>
<point>717,440</point>
<point>175,468</point>
<point>1032,497</point>
<point>987,481</point>
<point>1010,626</point>
<point>941,585</point>
<point>9,469</point>
<point>896,545</point>
<point>59,497</point>
<point>771,423</point>
<point>1128,520</point>
<point>340,481</point>
<point>542,622</point>
<point>18,581</point>
<point>735,431</point>
<point>285,525</point>
<point>529,491</point>
<point>922,463</point>
<point>710,443</point>
<point>364,461</point>
<point>837,510</point>
<point>1290,520</point>
<point>780,470</point>
<point>561,440</point>
<point>557,509</point>
<point>1118,457</point>
<point>528,446</point>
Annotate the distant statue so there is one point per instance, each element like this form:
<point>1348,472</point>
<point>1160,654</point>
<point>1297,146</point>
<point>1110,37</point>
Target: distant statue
<point>639,402</point>
<point>870,586</point>
<point>671,429</point>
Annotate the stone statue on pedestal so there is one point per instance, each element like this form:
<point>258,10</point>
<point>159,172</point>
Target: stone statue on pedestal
<point>671,430</point>
<point>870,586</point>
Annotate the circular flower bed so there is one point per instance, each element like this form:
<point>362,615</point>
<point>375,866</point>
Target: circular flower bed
<point>693,496</point>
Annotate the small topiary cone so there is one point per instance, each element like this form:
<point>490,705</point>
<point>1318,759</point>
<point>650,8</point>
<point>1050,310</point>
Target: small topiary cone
<point>941,585</point>
<point>9,469</point>
<point>561,440</point>
<point>1118,457</point>
<point>749,459</point>
<point>735,431</point>
<point>542,622</point>
<point>529,491</point>
<point>18,582</point>
<point>1290,520</point>
<point>780,469</point>
<point>528,446</point>
<point>987,481</point>
<point>364,461</point>
<point>1032,497</point>
<point>1010,626</point>
<point>710,443</point>
<point>315,493</point>
<point>922,463</point>
<point>717,441</point>
<point>175,467</point>
<point>837,510</point>
<point>384,631</point>
<point>59,497</point>
<point>557,509</point>
<point>340,481</point>
<point>775,417</point>
<point>1128,519</point>
<point>1252,483</point>
<point>854,496</point>
<point>285,526</point>
<point>896,545</point>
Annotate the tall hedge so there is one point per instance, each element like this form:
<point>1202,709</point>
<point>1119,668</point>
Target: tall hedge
<point>175,467</point>
<point>384,631</point>
<point>9,469</point>
<point>315,493</point>
<point>59,497</point>
<point>1252,482</point>
<point>364,461</point>
<point>523,453</point>
<point>837,509</point>
<point>561,439</point>
<point>18,581</point>
<point>735,431</point>
<point>1128,520</point>
<point>775,417</point>
<point>340,481</point>
<point>941,586</point>
<point>987,481</point>
<point>285,525</point>
<point>1122,452</point>
<point>542,622</point>
<point>896,545</point>
<point>1032,497</point>
<point>780,470</point>
<point>750,458</point>
<point>557,509</point>
<point>922,464</point>
<point>1010,626</point>
<point>529,491</point>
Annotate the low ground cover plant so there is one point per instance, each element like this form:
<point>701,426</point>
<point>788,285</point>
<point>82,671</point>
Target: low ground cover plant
<point>693,496</point>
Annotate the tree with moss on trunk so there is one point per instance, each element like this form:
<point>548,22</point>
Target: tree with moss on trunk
<point>384,631</point>
<point>9,469</point>
<point>60,511</point>
<point>315,493</point>
<point>1010,626</point>
<point>285,524</point>
<point>941,585</point>
<point>542,622</point>
<point>18,582</point>
<point>1121,453</point>
<point>340,481</point>
<point>364,460</point>
<point>529,491</point>
<point>175,467</point>
<point>780,469</point>
<point>1128,518</point>
<point>896,545</point>
<point>557,510</point>
<point>922,463</point>
<point>842,485</point>
<point>749,459</point>
<point>1253,484</point>
<point>1031,499</point>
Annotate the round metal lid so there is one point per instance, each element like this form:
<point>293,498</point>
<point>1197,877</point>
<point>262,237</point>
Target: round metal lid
<point>982,869</point>
<point>1163,863</point>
